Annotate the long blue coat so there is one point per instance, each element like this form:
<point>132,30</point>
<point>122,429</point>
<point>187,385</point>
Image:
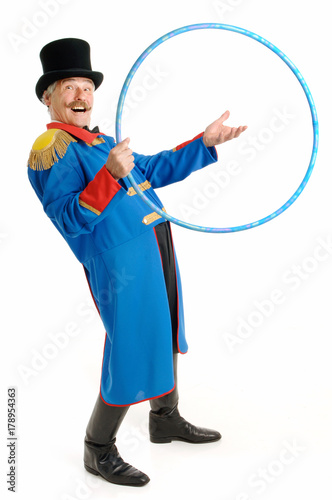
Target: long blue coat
<point>111,232</point>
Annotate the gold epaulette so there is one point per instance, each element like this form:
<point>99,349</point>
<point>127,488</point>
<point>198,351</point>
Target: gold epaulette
<point>48,148</point>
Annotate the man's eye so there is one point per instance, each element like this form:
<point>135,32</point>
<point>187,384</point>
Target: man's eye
<point>69,87</point>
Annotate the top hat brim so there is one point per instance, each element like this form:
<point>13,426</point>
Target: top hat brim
<point>52,76</point>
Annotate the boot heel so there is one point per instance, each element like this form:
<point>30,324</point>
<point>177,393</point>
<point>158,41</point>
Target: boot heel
<point>92,471</point>
<point>160,440</point>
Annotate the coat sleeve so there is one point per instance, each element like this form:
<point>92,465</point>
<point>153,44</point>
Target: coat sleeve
<point>175,165</point>
<point>73,205</point>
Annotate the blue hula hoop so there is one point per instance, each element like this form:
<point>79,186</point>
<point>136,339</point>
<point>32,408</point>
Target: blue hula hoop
<point>298,75</point>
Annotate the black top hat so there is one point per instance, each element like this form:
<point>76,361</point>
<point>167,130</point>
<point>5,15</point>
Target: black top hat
<point>66,58</point>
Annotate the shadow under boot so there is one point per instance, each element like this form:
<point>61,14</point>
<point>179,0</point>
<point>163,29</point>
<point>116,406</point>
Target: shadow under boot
<point>101,456</point>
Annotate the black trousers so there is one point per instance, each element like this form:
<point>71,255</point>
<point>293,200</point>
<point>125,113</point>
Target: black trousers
<point>106,419</point>
<point>164,238</point>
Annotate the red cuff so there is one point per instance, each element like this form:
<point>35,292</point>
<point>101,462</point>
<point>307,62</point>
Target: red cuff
<point>180,146</point>
<point>99,192</point>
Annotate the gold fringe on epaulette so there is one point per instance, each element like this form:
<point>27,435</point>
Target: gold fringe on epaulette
<point>44,159</point>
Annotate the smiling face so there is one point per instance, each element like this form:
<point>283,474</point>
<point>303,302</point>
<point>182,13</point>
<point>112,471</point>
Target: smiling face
<point>72,101</point>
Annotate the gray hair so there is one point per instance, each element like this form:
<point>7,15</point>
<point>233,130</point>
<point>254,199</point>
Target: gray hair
<point>49,91</point>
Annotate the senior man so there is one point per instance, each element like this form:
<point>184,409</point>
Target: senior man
<point>80,178</point>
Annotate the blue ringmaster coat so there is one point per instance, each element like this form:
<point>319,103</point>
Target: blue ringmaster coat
<point>111,232</point>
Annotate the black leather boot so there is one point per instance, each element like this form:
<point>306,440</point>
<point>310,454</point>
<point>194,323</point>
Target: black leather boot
<point>101,456</point>
<point>166,424</point>
<point>170,426</point>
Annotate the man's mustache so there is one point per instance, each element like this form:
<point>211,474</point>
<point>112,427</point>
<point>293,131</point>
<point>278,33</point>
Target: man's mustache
<point>80,104</point>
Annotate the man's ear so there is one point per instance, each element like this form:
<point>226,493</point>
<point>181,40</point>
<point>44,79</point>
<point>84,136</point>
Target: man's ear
<point>46,100</point>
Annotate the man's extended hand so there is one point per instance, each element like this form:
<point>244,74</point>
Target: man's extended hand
<point>120,161</point>
<point>217,132</point>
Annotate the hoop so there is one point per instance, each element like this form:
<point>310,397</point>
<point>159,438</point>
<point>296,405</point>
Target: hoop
<point>298,75</point>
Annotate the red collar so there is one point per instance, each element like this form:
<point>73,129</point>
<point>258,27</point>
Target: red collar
<point>81,133</point>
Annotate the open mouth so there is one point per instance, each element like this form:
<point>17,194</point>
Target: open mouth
<point>79,109</point>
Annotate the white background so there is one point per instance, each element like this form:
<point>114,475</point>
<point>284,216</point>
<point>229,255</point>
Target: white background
<point>257,303</point>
